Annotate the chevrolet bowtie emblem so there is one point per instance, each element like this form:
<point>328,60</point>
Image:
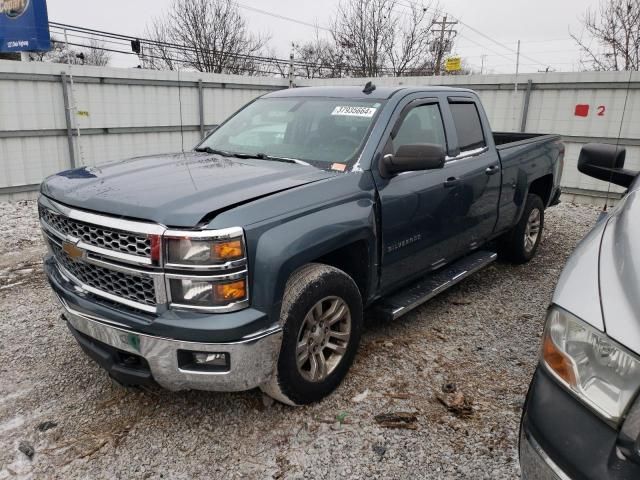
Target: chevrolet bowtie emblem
<point>72,250</point>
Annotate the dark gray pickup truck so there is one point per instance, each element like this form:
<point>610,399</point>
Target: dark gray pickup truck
<point>249,261</point>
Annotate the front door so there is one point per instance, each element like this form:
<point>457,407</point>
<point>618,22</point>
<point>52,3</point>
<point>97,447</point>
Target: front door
<point>418,209</point>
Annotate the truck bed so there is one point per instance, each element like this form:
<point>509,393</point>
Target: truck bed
<point>504,140</point>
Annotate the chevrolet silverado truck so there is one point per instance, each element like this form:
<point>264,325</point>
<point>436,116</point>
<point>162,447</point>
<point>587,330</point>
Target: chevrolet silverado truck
<point>250,261</point>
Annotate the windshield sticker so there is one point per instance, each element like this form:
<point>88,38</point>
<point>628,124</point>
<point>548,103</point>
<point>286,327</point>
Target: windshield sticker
<point>340,167</point>
<point>352,111</point>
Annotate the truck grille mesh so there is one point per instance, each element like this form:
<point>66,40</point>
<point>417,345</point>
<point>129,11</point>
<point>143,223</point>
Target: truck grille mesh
<point>119,241</point>
<point>131,287</point>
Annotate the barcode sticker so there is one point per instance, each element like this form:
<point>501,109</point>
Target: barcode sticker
<point>352,111</point>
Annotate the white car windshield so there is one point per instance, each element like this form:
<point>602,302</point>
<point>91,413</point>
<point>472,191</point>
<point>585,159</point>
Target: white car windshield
<point>320,131</point>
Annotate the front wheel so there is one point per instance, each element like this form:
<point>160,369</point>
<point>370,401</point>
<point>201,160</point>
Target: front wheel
<point>521,243</point>
<point>322,320</point>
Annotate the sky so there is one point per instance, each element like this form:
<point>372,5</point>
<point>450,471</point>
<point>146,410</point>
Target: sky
<point>488,27</point>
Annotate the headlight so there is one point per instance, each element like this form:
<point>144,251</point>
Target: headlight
<point>202,252</point>
<point>206,270</point>
<point>599,371</point>
<point>197,293</point>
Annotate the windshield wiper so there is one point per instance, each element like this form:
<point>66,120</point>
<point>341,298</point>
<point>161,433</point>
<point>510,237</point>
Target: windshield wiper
<point>214,151</point>
<point>259,156</point>
<point>264,156</point>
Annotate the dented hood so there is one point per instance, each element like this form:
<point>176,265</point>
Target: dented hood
<point>176,190</point>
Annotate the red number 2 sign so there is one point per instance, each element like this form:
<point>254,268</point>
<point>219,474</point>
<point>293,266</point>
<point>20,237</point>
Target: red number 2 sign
<point>601,110</point>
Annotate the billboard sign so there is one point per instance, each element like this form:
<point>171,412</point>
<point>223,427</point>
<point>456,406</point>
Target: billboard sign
<point>24,26</point>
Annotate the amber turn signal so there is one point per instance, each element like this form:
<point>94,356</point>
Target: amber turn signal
<point>557,361</point>
<point>231,291</point>
<point>230,250</point>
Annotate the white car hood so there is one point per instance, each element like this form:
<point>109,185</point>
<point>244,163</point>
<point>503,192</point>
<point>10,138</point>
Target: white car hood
<point>601,281</point>
<point>578,290</point>
<point>620,273</point>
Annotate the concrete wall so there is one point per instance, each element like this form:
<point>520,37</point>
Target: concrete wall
<point>128,112</point>
<point>552,100</point>
<point>121,113</point>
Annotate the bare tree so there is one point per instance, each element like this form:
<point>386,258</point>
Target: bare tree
<point>379,37</point>
<point>363,30</point>
<point>94,54</point>
<point>159,55</point>
<point>615,29</point>
<point>319,58</point>
<point>410,51</point>
<point>205,35</point>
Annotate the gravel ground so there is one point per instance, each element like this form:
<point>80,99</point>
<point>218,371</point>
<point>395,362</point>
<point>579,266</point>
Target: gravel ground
<point>481,335</point>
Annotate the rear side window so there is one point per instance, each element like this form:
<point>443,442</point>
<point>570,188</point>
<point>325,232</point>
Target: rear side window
<point>467,121</point>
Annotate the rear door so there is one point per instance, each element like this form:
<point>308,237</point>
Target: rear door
<point>477,174</point>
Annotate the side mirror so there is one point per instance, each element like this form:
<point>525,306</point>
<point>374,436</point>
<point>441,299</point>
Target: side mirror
<point>605,162</point>
<point>414,157</point>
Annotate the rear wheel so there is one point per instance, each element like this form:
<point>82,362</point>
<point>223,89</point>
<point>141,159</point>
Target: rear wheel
<point>521,243</point>
<point>322,319</point>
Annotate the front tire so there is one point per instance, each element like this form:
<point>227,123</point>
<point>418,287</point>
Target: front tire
<point>321,317</point>
<point>521,243</point>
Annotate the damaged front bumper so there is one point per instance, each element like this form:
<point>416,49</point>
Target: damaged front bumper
<point>133,358</point>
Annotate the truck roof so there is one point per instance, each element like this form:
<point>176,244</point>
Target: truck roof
<point>356,92</point>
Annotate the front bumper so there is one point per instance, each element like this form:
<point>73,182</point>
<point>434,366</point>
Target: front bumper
<point>251,360</point>
<point>560,438</point>
<point>535,464</point>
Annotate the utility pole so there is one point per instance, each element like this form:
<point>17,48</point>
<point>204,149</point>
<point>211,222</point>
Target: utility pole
<point>483,59</point>
<point>73,106</point>
<point>517,65</point>
<point>446,29</point>
<point>291,66</point>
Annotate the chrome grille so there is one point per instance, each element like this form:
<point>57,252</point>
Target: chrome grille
<point>135,288</point>
<point>110,239</point>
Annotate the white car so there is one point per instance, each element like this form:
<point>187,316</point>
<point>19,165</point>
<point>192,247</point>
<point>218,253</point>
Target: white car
<point>581,418</point>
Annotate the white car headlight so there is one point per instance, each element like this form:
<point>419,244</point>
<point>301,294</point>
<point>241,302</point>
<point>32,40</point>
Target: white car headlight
<point>599,371</point>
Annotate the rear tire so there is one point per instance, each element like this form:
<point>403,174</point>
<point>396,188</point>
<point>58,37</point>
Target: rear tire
<point>321,317</point>
<point>521,243</point>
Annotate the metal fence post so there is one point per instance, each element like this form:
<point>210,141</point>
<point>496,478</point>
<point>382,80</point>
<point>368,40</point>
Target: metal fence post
<point>525,107</point>
<point>67,116</point>
<point>201,107</point>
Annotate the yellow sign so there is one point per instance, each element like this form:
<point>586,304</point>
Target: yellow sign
<point>453,64</point>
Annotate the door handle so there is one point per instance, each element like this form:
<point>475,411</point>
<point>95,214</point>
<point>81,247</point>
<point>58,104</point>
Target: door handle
<point>492,170</point>
<point>451,182</point>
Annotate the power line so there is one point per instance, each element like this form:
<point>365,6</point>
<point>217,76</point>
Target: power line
<point>475,30</point>
<point>172,46</point>
<point>283,17</point>
<point>478,32</point>
<point>183,48</point>
<point>503,55</point>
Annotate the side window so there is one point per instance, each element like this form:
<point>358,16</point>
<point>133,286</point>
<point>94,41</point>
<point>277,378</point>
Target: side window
<point>467,121</point>
<point>423,124</point>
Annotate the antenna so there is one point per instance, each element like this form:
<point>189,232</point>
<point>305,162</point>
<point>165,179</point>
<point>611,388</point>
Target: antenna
<point>624,111</point>
<point>368,88</point>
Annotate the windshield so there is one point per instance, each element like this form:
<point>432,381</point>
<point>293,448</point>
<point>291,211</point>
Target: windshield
<point>320,131</point>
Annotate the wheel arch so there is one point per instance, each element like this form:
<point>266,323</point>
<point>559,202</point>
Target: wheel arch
<point>343,236</point>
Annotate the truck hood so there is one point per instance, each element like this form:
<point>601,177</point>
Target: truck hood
<point>176,190</point>
<point>620,273</point>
